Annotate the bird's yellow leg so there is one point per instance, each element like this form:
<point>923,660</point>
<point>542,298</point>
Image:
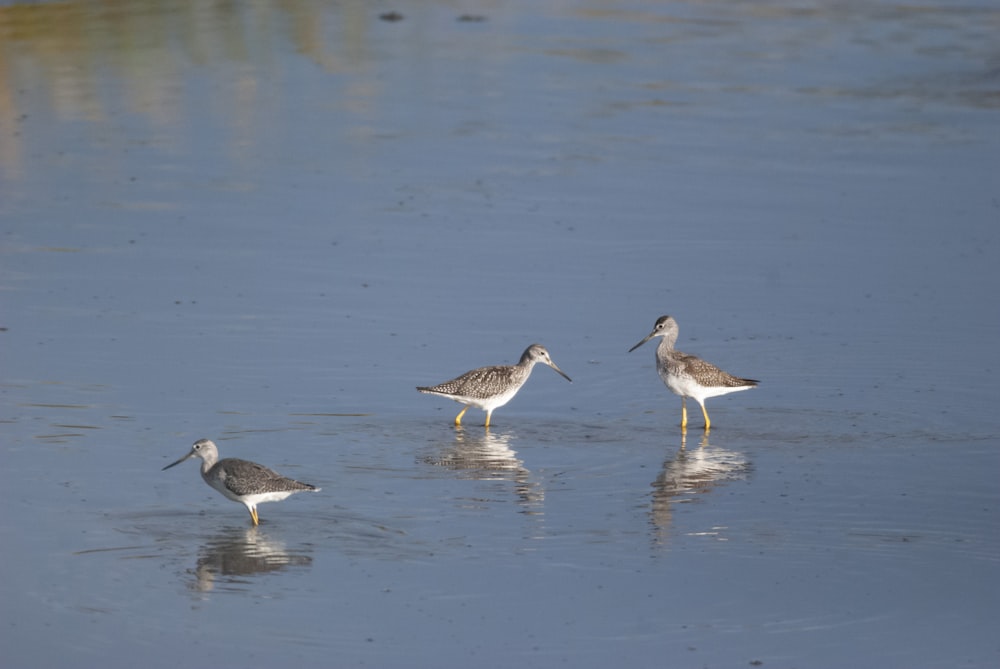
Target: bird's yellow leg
<point>488,414</point>
<point>708,423</point>
<point>458,418</point>
<point>253,516</point>
<point>684,412</point>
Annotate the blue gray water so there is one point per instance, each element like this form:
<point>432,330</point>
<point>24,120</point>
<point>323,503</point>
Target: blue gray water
<point>265,223</point>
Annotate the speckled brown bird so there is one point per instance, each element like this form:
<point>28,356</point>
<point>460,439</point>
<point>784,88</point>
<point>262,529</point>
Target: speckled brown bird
<point>489,388</point>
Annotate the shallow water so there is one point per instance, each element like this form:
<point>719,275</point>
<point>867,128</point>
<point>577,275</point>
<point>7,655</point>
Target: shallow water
<point>266,223</point>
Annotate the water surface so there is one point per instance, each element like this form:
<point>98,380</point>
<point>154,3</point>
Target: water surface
<point>266,223</point>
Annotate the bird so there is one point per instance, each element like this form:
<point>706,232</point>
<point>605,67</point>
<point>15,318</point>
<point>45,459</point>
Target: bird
<point>241,480</point>
<point>489,388</point>
<point>688,375</point>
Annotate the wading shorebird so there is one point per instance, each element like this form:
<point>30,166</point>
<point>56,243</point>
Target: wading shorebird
<point>242,481</point>
<point>489,388</point>
<point>688,375</point>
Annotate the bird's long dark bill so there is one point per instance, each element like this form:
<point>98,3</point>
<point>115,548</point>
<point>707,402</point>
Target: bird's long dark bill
<point>177,463</point>
<point>648,337</point>
<point>562,373</point>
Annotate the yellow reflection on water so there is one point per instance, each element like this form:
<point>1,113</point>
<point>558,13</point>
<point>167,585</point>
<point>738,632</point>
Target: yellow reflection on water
<point>91,62</point>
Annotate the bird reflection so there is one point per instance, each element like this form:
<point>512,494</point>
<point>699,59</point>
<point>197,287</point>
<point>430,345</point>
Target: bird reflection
<point>487,456</point>
<point>688,473</point>
<point>236,554</point>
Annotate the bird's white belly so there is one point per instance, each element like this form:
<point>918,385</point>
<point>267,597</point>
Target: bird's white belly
<point>260,498</point>
<point>680,385</point>
<point>488,403</point>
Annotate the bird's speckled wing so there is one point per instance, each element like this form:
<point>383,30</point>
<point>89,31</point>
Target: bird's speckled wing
<point>708,374</point>
<point>480,383</point>
<point>243,477</point>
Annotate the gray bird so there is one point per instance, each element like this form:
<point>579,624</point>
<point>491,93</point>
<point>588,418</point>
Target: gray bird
<point>242,481</point>
<point>688,375</point>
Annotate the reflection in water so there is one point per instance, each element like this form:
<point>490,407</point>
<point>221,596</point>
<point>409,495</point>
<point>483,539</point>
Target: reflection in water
<point>77,61</point>
<point>232,556</point>
<point>85,61</point>
<point>689,473</point>
<point>486,456</point>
